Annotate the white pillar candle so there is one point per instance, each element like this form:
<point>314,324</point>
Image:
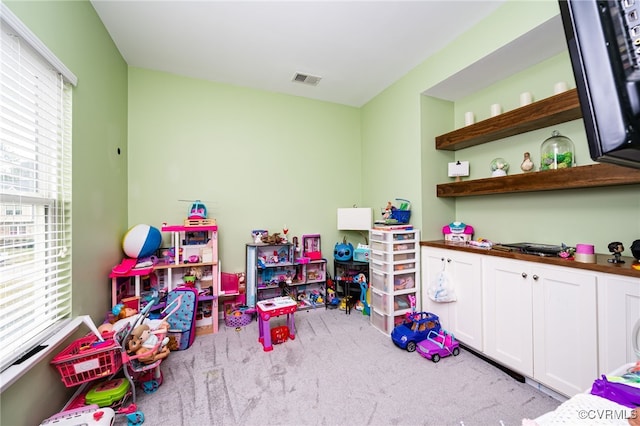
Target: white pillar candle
<point>469,118</point>
<point>496,109</point>
<point>560,87</point>
<point>525,98</point>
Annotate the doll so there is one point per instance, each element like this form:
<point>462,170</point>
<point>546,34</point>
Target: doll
<point>143,341</point>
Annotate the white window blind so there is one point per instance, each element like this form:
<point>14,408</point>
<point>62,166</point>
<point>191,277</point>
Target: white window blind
<point>35,193</point>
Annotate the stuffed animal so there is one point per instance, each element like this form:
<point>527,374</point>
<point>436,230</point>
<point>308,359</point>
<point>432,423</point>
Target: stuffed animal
<point>143,342</point>
<point>274,238</point>
<point>343,251</point>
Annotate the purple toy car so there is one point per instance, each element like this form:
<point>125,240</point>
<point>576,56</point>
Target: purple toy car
<point>438,344</point>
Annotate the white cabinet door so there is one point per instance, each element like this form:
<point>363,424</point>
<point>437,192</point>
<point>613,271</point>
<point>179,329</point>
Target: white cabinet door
<point>432,262</point>
<point>463,317</point>
<point>541,321</point>
<point>618,311</point>
<point>508,313</point>
<point>565,338</point>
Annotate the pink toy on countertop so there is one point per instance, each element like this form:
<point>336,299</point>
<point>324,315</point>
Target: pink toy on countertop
<point>457,232</point>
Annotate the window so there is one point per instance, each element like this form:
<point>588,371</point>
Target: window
<point>35,190</point>
<point>13,210</point>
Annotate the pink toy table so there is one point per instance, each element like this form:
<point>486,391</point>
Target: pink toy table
<point>270,308</point>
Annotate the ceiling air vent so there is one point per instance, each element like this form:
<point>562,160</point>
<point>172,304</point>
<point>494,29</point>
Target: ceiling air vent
<point>311,80</point>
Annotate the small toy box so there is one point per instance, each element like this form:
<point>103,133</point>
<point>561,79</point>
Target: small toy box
<point>362,253</point>
<point>87,359</point>
<point>457,232</point>
<point>108,392</point>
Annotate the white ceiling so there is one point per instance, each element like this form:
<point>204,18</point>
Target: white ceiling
<point>358,48</point>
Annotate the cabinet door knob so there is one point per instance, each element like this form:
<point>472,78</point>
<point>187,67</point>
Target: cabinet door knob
<point>524,275</point>
<point>535,277</point>
<point>448,260</point>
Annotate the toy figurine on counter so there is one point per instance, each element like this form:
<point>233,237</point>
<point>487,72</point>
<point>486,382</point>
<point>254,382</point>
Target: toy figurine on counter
<point>616,248</point>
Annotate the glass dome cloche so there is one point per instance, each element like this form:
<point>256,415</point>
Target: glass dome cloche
<point>557,152</point>
<point>499,167</point>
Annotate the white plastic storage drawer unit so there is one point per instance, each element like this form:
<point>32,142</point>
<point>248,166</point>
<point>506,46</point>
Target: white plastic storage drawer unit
<point>395,276</point>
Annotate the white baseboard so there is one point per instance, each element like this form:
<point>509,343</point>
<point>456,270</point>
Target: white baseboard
<point>542,388</point>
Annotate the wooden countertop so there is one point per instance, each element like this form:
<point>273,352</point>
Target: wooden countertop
<point>601,265</point>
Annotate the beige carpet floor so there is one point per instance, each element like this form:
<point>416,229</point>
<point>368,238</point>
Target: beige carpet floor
<point>339,370</point>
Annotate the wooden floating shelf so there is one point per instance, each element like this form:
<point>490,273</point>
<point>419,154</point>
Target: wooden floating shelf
<point>590,176</point>
<point>547,112</point>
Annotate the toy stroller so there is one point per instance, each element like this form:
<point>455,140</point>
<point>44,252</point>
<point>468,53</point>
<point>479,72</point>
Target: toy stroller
<point>99,358</point>
<point>142,356</point>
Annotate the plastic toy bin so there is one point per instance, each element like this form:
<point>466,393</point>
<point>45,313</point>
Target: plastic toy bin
<point>391,257</point>
<point>402,216</point>
<point>380,281</point>
<point>380,301</point>
<point>379,321</point>
<point>87,359</point>
<point>237,318</point>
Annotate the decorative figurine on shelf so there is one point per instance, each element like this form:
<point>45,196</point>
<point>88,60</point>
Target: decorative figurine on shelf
<point>527,164</point>
<point>616,248</point>
<point>285,231</point>
<point>499,167</point>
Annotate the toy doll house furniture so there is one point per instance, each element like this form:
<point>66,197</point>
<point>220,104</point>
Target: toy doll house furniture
<point>273,270</point>
<point>195,247</point>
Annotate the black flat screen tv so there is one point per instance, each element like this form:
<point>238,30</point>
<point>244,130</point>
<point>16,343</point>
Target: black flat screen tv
<point>603,38</point>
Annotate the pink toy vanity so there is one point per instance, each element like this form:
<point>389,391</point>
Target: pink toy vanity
<point>275,307</point>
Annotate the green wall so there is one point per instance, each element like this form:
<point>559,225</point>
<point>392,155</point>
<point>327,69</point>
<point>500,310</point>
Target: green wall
<point>257,160</point>
<point>595,216</point>
<point>74,33</point>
